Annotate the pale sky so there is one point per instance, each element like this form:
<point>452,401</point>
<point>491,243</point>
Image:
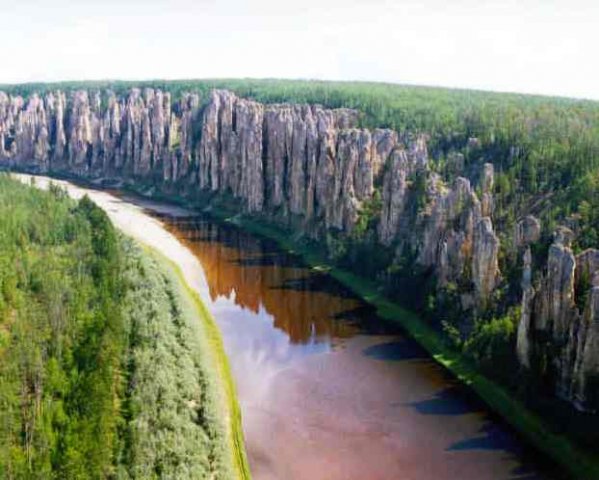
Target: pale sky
<point>531,46</point>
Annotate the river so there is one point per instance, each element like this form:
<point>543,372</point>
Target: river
<point>327,390</point>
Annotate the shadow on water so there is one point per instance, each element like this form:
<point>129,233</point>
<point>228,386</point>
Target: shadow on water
<point>200,229</point>
<point>494,437</point>
<point>396,351</point>
<point>449,401</point>
<point>316,282</point>
<point>365,317</point>
<point>491,437</point>
<point>454,401</point>
<point>265,259</point>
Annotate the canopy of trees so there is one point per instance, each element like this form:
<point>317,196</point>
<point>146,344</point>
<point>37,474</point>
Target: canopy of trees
<point>103,371</point>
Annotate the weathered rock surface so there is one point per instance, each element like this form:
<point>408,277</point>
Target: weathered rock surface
<point>558,326</point>
<point>394,195</point>
<point>528,230</point>
<point>485,255</point>
<point>457,240</point>
<point>585,377</point>
<point>523,339</point>
<point>488,182</point>
<point>555,301</point>
<point>92,134</point>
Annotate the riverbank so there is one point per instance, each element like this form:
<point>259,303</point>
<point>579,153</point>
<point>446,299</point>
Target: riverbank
<point>220,376</point>
<point>180,419</point>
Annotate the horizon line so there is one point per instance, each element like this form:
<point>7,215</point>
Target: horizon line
<point>477,90</point>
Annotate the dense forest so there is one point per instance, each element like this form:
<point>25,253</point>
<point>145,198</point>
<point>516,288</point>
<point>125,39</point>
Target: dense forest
<point>104,367</point>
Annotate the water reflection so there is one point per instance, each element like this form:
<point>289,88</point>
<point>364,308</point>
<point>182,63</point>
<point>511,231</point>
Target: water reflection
<point>381,393</point>
<point>309,307</point>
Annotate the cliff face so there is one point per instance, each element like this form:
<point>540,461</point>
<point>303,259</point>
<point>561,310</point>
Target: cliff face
<point>100,135</point>
<point>313,169</point>
<point>559,326</point>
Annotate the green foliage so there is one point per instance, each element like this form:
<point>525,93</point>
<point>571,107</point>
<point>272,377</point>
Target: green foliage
<point>368,215</point>
<point>452,334</point>
<point>419,191</point>
<point>175,426</point>
<point>585,196</point>
<point>63,336</point>
<point>103,371</point>
<point>491,344</point>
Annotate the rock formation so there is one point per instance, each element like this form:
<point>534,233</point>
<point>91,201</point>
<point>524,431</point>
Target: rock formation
<point>523,341</point>
<point>556,327</point>
<point>528,230</point>
<point>300,163</point>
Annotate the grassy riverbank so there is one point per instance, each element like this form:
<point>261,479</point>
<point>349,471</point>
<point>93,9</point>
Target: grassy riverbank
<point>181,373</point>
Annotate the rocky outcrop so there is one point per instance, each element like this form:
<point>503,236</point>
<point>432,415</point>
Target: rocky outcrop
<point>488,182</point>
<point>92,134</point>
<point>457,240</point>
<point>395,188</point>
<point>528,230</point>
<point>555,301</point>
<point>523,338</point>
<point>300,160</point>
<point>586,367</point>
<point>558,325</point>
<point>485,259</point>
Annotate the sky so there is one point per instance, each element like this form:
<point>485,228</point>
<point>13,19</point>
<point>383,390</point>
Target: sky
<point>531,46</point>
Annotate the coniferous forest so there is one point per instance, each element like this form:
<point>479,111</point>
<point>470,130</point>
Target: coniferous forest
<point>104,368</point>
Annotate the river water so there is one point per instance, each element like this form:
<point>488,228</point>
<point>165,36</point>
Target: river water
<point>327,391</point>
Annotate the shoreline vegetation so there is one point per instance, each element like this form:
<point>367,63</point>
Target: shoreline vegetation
<point>110,365</point>
<point>224,379</point>
<point>199,337</point>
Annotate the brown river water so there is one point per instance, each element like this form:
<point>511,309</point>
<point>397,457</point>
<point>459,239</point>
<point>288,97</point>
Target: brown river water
<point>327,390</point>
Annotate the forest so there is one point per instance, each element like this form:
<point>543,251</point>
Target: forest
<point>104,369</point>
